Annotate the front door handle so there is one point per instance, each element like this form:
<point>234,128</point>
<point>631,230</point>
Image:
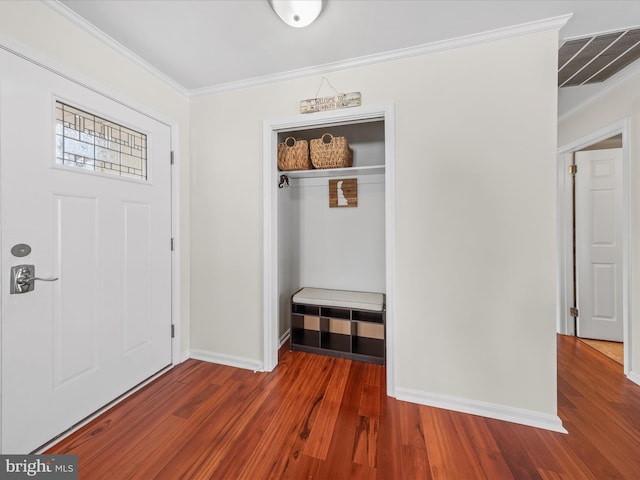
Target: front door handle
<point>23,279</point>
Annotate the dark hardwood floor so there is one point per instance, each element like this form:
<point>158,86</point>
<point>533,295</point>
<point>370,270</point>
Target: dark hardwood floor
<point>317,417</point>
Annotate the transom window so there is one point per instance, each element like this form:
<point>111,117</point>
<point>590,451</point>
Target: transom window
<point>93,143</point>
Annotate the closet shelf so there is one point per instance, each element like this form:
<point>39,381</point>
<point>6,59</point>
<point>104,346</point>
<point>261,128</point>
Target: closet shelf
<point>335,172</point>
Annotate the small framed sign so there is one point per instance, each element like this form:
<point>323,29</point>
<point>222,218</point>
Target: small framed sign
<point>343,100</point>
<point>343,192</point>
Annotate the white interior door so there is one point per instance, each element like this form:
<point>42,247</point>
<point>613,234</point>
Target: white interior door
<point>599,244</point>
<point>73,345</point>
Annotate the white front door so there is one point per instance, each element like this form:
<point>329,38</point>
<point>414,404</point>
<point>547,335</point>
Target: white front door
<point>598,206</point>
<point>71,346</point>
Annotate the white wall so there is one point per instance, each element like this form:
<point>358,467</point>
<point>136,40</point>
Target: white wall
<point>288,253</point>
<point>475,183</point>
<point>325,247</point>
<point>341,248</point>
<point>614,106</point>
<point>39,29</point>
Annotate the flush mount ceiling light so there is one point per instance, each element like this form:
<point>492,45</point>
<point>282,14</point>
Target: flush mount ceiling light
<point>297,13</point>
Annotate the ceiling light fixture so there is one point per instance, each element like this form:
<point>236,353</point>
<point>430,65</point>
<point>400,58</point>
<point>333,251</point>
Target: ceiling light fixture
<point>297,13</point>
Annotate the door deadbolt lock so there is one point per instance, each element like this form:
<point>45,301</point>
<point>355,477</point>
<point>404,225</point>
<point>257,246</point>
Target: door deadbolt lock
<point>23,279</point>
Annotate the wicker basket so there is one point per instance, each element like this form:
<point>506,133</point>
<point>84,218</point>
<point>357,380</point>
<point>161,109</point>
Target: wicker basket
<point>294,155</point>
<point>331,152</point>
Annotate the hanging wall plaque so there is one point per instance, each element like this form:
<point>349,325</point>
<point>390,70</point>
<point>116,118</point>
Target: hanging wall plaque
<point>337,101</point>
<point>344,100</point>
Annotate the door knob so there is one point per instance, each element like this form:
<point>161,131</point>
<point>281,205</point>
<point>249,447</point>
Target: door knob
<point>23,279</point>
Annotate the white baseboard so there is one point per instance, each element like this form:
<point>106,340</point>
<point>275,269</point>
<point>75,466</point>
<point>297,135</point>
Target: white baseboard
<point>285,336</point>
<point>231,361</point>
<point>634,377</point>
<point>483,409</point>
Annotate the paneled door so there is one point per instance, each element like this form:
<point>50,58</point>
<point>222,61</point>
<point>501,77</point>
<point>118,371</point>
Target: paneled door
<point>598,206</point>
<point>86,206</point>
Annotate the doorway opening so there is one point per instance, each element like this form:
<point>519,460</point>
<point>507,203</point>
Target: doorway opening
<point>597,246</point>
<point>593,233</point>
<point>379,118</point>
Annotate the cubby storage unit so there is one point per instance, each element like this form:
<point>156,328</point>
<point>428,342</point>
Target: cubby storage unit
<point>339,323</point>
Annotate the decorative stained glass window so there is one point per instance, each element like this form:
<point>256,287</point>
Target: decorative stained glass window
<point>93,143</point>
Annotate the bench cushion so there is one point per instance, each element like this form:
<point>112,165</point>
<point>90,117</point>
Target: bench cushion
<point>340,298</point>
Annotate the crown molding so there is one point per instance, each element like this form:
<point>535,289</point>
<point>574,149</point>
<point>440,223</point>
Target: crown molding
<point>88,27</point>
<point>609,86</point>
<point>42,60</point>
<point>555,23</point>
<point>600,32</point>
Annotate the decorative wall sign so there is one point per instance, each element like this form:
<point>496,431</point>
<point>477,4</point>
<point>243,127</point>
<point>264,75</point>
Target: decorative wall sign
<point>343,192</point>
<point>343,100</point>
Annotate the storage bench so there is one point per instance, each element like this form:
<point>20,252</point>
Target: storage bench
<point>340,323</point>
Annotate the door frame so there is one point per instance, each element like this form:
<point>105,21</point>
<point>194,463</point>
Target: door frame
<point>94,85</point>
<point>271,128</point>
<point>564,213</point>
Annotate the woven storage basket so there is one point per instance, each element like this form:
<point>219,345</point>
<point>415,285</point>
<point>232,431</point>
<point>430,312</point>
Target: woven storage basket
<point>331,152</point>
<point>294,155</point>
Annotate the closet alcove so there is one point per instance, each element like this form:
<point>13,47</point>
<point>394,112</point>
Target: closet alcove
<point>309,244</point>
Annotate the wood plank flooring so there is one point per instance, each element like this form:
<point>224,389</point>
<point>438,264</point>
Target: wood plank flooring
<point>318,417</point>
<point>613,350</point>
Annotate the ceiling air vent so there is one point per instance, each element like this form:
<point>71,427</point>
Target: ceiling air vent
<point>594,59</point>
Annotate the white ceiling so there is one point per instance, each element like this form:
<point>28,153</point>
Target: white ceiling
<point>221,44</point>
